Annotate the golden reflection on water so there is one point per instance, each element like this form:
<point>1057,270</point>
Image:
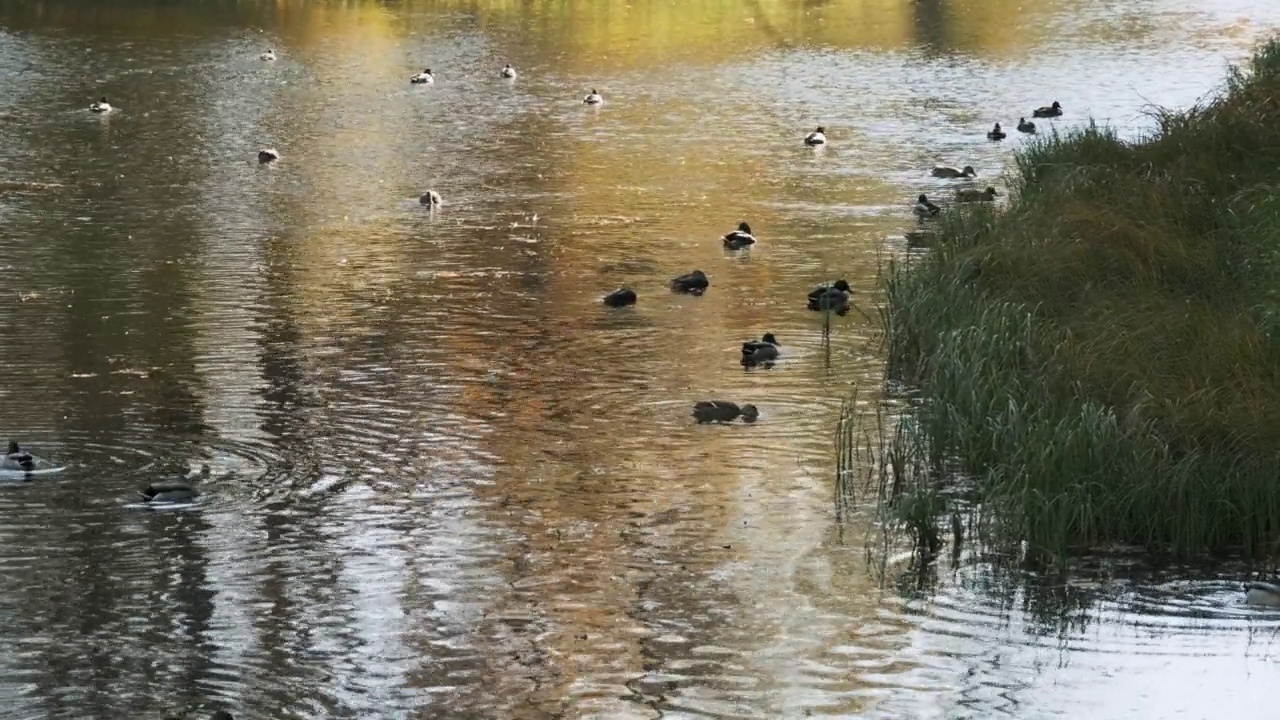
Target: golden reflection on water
<point>521,496</point>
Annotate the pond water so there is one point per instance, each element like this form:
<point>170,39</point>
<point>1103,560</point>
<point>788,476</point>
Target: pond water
<point>445,480</point>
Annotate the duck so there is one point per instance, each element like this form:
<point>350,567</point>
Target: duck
<point>508,71</point>
<point>739,238</point>
<point>101,106</point>
<point>217,715</point>
<point>817,137</point>
<point>1262,593</point>
<point>1053,110</point>
<point>924,208</point>
<point>267,155</point>
<point>833,297</point>
<point>996,133</point>
<point>943,171</point>
<point>1026,126</point>
<point>694,283</point>
<point>18,459</point>
<point>724,411</point>
<point>919,238</point>
<point>431,198</point>
<point>620,298</point>
<point>423,78</point>
<point>592,98</point>
<point>169,491</point>
<point>988,195</point>
<point>757,352</point>
<point>268,55</point>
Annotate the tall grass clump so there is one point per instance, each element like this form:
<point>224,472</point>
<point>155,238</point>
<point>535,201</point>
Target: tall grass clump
<point>1103,355</point>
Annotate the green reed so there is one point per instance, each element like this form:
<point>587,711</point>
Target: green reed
<point>1101,359</point>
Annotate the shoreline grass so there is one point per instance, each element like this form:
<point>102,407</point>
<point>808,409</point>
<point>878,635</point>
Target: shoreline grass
<point>1101,359</point>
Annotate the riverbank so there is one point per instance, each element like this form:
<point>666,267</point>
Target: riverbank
<point>1102,356</point>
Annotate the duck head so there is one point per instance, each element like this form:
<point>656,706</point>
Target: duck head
<point>991,191</point>
<point>593,91</point>
<point>821,130</point>
<point>103,99</point>
<point>769,338</point>
<point>1056,105</point>
<point>744,227</point>
<point>968,170</point>
<point>922,199</point>
<point>749,413</point>
<point>842,285</point>
<point>698,274</point>
<point>997,128</point>
<point>13,447</point>
<point>1022,121</point>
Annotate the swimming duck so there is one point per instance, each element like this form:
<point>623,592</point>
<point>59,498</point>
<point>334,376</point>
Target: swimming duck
<point>817,137</point>
<point>739,238</point>
<point>431,198</point>
<point>833,297</point>
<point>1053,110</point>
<point>943,171</point>
<point>694,283</point>
<point>987,195</point>
<point>924,208</point>
<point>18,459</point>
<point>423,78</point>
<point>101,106</point>
<point>169,491</point>
<point>724,411</point>
<point>593,98</point>
<point>268,55</point>
<point>1026,126</point>
<point>996,133</point>
<point>919,238</point>
<point>620,298</point>
<point>1262,593</point>
<point>267,155</point>
<point>508,71</point>
<point>764,350</point>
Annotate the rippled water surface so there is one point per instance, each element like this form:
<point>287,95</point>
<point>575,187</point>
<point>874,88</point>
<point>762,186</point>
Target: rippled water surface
<point>445,481</point>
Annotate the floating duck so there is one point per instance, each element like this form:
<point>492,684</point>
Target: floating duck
<point>924,208</point>
<point>508,71</point>
<point>169,491</point>
<point>268,55</point>
<point>1048,111</point>
<point>942,171</point>
<point>620,298</point>
<point>817,137</point>
<point>267,155</point>
<point>996,133</point>
<point>694,283</point>
<point>833,297</point>
<point>423,78</point>
<point>1262,593</point>
<point>724,411</point>
<point>431,198</point>
<point>987,195</point>
<point>919,238</point>
<point>592,98</point>
<point>739,238</point>
<point>18,459</point>
<point>758,352</point>
<point>101,106</point>
<point>1026,126</point>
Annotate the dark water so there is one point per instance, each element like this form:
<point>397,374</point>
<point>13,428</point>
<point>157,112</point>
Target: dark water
<point>447,481</point>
